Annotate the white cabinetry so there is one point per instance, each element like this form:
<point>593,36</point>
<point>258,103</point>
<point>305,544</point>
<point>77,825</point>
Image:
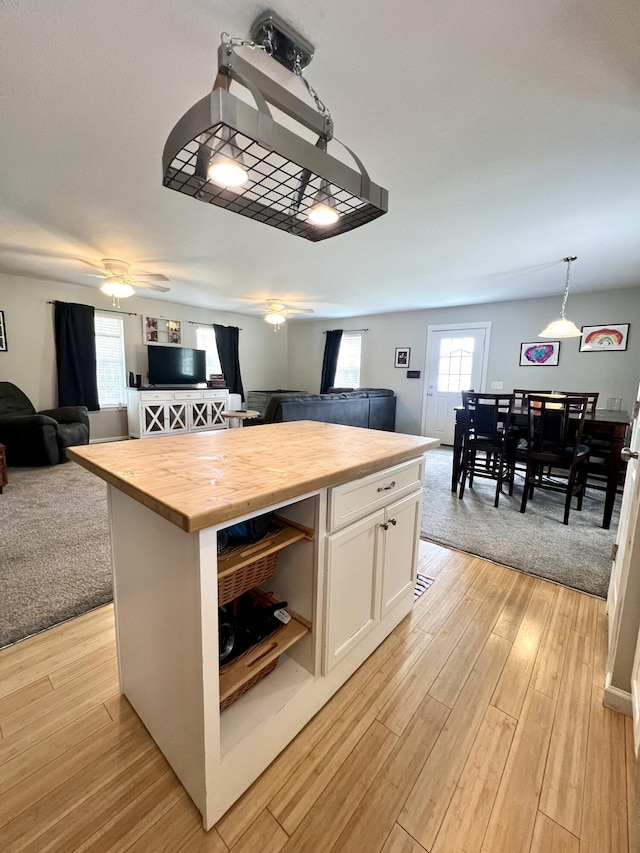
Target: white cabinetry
<point>164,412</point>
<point>370,562</point>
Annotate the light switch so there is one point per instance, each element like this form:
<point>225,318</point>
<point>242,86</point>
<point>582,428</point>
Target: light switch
<point>497,386</point>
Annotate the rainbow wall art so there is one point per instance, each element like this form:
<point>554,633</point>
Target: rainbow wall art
<point>607,338</point>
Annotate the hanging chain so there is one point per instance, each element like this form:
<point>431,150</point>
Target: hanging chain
<point>566,287</point>
<point>320,106</point>
<point>231,41</point>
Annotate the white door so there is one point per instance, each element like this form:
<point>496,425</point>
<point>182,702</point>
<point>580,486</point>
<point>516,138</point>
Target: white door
<point>456,361</point>
<point>624,590</point>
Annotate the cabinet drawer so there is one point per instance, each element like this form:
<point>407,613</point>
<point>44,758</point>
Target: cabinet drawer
<point>155,395</point>
<point>357,498</point>
<point>215,395</point>
<point>187,395</point>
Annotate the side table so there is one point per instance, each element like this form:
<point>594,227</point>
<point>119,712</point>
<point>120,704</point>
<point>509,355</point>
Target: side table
<point>3,468</point>
<point>239,416</point>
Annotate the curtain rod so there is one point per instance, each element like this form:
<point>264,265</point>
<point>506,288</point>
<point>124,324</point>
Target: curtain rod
<point>108,310</point>
<point>346,330</point>
<point>200,323</point>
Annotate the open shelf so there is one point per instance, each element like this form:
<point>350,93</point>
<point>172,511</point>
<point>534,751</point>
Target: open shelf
<point>240,675</point>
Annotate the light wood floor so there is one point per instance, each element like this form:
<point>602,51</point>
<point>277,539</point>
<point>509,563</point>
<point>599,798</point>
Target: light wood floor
<point>477,727</point>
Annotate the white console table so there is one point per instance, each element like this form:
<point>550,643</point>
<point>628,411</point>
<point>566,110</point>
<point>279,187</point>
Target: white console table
<point>165,411</point>
<point>356,495</point>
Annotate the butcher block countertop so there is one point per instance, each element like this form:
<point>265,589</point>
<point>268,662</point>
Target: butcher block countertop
<point>197,480</point>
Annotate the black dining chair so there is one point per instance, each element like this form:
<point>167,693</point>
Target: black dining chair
<point>592,399</point>
<point>554,442</point>
<point>486,433</point>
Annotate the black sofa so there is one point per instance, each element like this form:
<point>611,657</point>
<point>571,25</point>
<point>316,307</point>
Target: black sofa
<point>374,408</point>
<point>38,438</point>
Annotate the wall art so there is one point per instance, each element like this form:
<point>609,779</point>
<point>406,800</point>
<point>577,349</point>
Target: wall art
<point>3,333</point>
<point>539,354</point>
<point>157,330</point>
<point>611,337</point>
<point>402,356</point>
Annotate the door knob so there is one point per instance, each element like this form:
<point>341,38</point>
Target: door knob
<point>626,454</point>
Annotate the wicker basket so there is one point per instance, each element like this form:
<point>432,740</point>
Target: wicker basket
<point>243,579</point>
<point>258,676</point>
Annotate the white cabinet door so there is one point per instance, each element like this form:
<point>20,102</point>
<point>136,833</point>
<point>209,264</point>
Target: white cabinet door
<point>400,542</point>
<point>353,558</point>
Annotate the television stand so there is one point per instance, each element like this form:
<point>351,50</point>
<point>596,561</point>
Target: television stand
<point>175,409</point>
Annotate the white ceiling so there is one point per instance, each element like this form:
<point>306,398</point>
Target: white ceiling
<point>507,133</point>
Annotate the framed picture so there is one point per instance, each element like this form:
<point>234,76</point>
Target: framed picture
<point>539,354</point>
<point>402,356</point>
<point>157,330</point>
<point>3,333</point>
<point>611,337</point>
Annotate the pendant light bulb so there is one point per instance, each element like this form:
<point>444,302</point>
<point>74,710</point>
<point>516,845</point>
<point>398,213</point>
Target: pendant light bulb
<point>561,327</point>
<point>323,211</point>
<point>227,173</point>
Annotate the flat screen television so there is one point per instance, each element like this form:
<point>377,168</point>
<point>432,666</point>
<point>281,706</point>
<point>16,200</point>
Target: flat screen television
<point>176,365</point>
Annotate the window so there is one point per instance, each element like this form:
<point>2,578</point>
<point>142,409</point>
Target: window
<point>348,370</point>
<point>110,367</point>
<point>455,364</point>
<point>206,340</point>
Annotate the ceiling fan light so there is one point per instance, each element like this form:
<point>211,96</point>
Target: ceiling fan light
<point>117,289</point>
<point>227,173</point>
<point>275,319</point>
<point>560,328</point>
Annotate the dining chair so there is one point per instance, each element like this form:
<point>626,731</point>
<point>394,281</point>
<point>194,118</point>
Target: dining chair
<point>554,442</point>
<point>521,395</point>
<point>592,399</point>
<point>486,432</point>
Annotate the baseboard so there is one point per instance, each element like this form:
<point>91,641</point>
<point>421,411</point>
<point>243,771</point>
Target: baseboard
<point>617,700</point>
<point>115,438</point>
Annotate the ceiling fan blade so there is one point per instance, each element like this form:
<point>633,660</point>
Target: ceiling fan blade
<point>92,264</point>
<point>94,275</point>
<point>151,276</point>
<point>146,284</point>
<point>298,311</point>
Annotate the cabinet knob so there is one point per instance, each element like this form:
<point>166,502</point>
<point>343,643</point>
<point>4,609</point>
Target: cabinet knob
<point>384,526</point>
<point>393,521</point>
<point>391,485</point>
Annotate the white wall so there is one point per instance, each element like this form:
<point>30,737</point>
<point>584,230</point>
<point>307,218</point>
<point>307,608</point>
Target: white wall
<point>30,361</point>
<point>612,374</point>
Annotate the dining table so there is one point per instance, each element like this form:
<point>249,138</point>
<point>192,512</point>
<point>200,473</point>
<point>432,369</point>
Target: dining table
<point>608,426</point>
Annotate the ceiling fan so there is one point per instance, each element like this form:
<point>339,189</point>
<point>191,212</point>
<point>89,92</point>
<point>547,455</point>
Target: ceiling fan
<point>277,311</point>
<point>119,282</point>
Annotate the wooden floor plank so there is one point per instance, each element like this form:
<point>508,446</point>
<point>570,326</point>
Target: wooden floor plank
<point>376,815</point>
<point>451,679</point>
<point>400,841</point>
<point>19,699</point>
<point>512,821</point>
<point>514,682</point>
<point>173,829</point>
<point>600,645</point>
<point>550,659</point>
<point>632,787</point>
<point>514,609</point>
<point>563,785</point>
<point>468,815</point>
<point>548,837</point>
<point>333,810</point>
<point>265,834</point>
<point>403,704</point>
<point>425,808</point>
<point>604,817</point>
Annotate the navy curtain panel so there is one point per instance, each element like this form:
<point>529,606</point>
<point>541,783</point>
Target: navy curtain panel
<point>75,337</point>
<point>227,338</point>
<point>330,360</point>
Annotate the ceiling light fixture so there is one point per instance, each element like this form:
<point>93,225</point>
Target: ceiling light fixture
<point>291,183</point>
<point>117,289</point>
<point>275,319</point>
<point>562,328</point>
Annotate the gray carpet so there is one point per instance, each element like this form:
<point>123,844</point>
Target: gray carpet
<point>55,553</point>
<point>536,542</point>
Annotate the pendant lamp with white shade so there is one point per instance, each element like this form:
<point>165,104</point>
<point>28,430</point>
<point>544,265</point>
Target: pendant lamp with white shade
<point>561,327</point>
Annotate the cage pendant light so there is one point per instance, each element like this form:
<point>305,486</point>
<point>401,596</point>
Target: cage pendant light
<point>285,172</point>
<point>561,327</point>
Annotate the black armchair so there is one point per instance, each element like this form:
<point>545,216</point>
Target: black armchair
<point>38,438</point>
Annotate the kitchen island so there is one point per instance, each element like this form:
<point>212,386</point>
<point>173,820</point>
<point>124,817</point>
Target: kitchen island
<point>349,500</point>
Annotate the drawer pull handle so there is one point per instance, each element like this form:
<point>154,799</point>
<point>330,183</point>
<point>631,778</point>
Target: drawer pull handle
<point>393,521</point>
<point>392,485</point>
<point>384,526</point>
